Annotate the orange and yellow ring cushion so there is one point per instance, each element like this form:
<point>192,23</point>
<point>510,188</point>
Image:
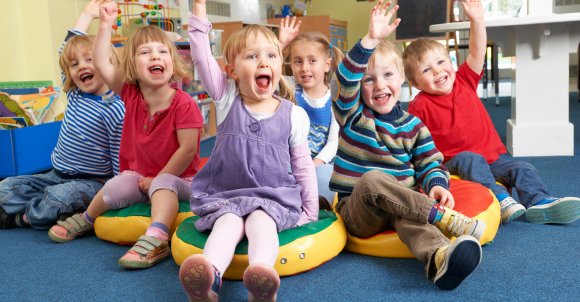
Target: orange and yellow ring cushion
<point>471,199</point>
<point>301,249</point>
<point>125,226</point>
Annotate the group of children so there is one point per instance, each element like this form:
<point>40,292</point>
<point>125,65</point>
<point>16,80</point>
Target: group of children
<point>274,164</point>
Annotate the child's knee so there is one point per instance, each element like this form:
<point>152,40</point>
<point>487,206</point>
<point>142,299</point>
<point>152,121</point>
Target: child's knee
<point>164,181</point>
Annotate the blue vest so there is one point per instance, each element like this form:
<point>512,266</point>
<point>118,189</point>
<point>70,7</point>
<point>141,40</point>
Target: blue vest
<point>320,119</point>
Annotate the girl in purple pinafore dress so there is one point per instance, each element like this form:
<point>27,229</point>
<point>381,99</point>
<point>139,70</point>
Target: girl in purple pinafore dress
<point>245,187</point>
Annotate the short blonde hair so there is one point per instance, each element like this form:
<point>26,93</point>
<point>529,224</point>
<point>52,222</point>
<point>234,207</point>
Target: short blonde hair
<point>148,34</point>
<point>238,41</point>
<point>389,51</point>
<point>415,52</point>
<point>74,44</point>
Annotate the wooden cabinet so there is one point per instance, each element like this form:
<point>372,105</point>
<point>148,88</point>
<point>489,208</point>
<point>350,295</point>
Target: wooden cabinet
<point>335,30</point>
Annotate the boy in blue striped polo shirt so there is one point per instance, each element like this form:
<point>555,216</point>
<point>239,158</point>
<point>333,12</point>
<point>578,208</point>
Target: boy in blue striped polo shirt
<point>87,150</point>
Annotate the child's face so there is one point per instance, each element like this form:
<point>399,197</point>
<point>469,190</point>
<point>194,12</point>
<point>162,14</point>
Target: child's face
<point>83,73</point>
<point>257,69</point>
<point>435,74</point>
<point>153,64</point>
<point>381,85</point>
<point>309,64</point>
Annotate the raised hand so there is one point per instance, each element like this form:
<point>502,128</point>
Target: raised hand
<point>380,25</point>
<point>92,8</point>
<point>473,9</point>
<point>108,12</point>
<point>288,30</point>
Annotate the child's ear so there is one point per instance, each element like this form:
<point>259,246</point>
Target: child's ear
<point>231,72</point>
<point>327,65</point>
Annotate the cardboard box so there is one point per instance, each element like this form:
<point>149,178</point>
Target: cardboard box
<point>27,150</point>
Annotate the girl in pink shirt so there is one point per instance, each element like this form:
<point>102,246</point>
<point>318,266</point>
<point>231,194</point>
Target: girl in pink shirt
<point>160,141</point>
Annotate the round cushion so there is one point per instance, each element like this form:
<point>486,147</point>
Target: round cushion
<point>301,249</point>
<point>125,226</point>
<point>471,199</point>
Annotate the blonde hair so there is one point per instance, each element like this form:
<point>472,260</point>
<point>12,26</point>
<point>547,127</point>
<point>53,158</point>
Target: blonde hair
<point>239,41</point>
<point>415,52</point>
<point>148,34</point>
<point>333,52</point>
<point>67,54</point>
<point>389,51</point>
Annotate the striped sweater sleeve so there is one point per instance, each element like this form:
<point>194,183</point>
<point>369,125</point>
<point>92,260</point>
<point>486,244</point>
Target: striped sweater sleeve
<point>428,161</point>
<point>349,74</point>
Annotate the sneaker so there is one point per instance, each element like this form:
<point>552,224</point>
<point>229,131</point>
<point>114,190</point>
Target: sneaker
<point>457,224</point>
<point>562,210</point>
<point>262,283</point>
<point>510,209</point>
<point>69,229</point>
<point>146,252</point>
<point>200,279</point>
<point>7,221</point>
<point>458,260</point>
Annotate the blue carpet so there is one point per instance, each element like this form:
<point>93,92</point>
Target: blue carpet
<point>525,262</point>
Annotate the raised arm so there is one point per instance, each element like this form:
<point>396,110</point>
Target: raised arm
<point>89,13</point>
<point>353,66</point>
<point>102,48</point>
<point>288,31</point>
<point>477,34</point>
<point>212,77</point>
<point>380,26</point>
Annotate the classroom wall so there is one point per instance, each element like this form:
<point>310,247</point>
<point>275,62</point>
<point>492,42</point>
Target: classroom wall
<point>354,12</point>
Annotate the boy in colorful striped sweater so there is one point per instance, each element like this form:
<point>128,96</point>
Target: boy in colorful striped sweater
<point>385,155</point>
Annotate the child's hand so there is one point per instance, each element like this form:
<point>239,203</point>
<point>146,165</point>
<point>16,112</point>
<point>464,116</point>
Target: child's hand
<point>92,8</point>
<point>144,184</point>
<point>443,195</point>
<point>108,12</point>
<point>379,23</point>
<point>473,9</point>
<point>318,162</point>
<point>288,31</point>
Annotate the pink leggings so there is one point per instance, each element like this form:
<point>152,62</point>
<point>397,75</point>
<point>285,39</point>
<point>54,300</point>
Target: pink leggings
<point>229,230</point>
<point>123,190</point>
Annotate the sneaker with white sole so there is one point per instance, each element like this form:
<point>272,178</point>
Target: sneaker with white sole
<point>562,210</point>
<point>458,261</point>
<point>510,209</point>
<point>456,224</point>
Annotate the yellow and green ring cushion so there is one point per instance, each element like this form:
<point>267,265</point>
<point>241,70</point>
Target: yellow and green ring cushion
<point>125,226</point>
<point>301,249</point>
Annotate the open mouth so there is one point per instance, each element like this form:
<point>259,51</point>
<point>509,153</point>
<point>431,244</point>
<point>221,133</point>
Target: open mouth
<point>306,77</point>
<point>156,69</point>
<point>87,76</point>
<point>263,81</point>
<point>382,98</point>
<point>441,80</point>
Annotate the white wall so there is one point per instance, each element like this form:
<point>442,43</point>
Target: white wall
<point>250,11</point>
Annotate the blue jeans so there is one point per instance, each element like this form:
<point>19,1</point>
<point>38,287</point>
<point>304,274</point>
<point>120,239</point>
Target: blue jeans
<point>323,174</point>
<point>44,197</point>
<point>517,174</point>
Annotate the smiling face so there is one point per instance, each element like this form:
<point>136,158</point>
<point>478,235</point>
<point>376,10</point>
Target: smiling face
<point>309,63</point>
<point>257,68</point>
<point>82,72</point>
<point>435,73</point>
<point>153,64</point>
<point>381,84</point>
